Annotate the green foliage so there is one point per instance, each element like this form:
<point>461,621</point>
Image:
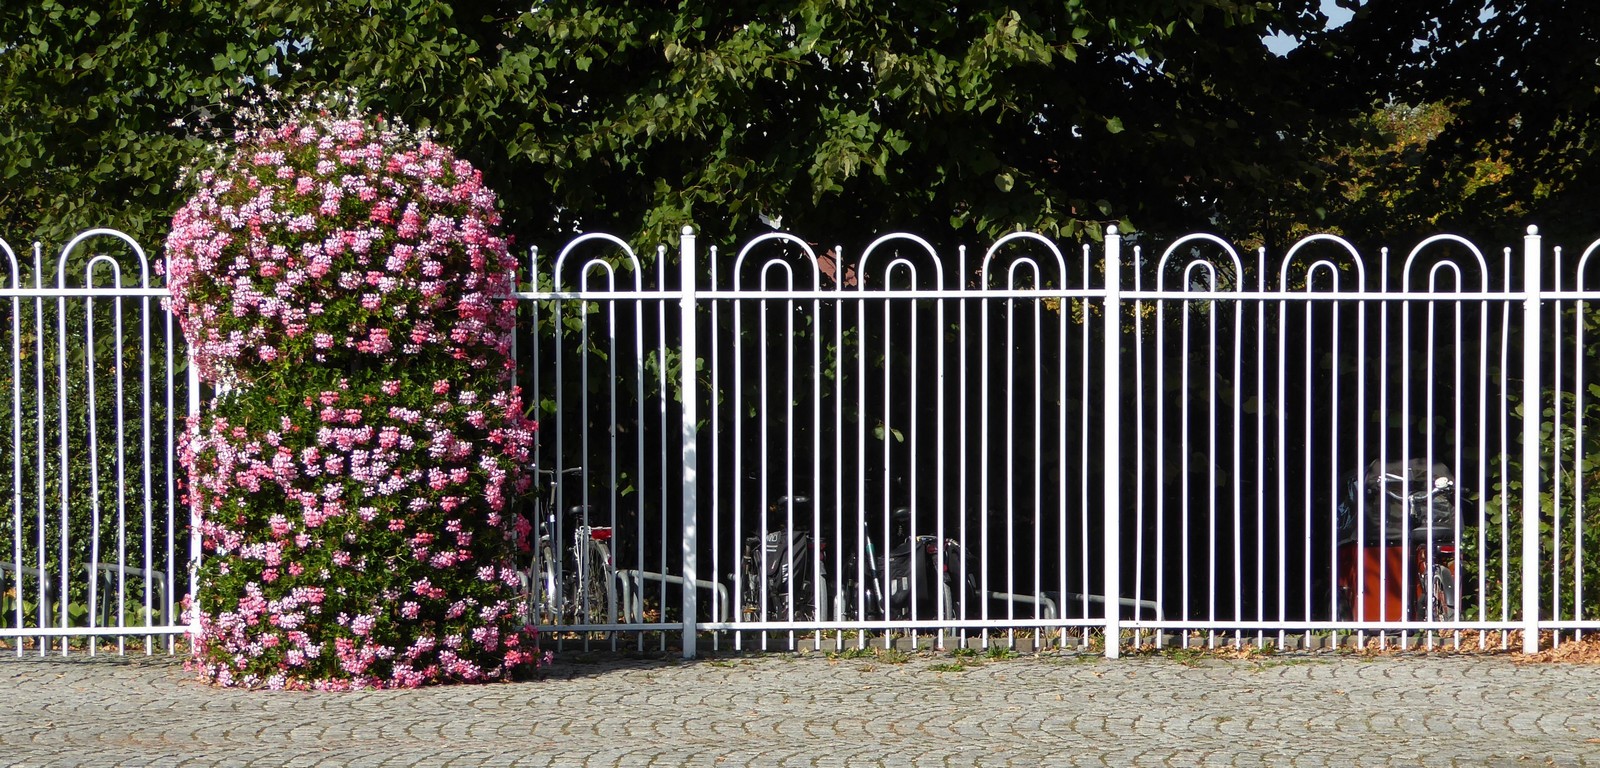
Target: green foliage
<point>849,118</point>
<point>1568,548</point>
<point>844,118</point>
<point>1515,83</point>
<point>1001,653</point>
<point>871,653</point>
<point>87,97</point>
<point>634,117</point>
<point>102,104</point>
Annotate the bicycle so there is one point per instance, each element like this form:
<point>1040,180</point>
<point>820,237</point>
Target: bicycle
<point>1435,598</point>
<point>1424,518</point>
<point>905,590</point>
<point>578,588</point>
<point>784,569</point>
<point>776,568</point>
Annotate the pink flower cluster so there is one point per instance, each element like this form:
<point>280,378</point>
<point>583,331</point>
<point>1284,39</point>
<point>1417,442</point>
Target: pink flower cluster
<point>340,283</point>
<point>336,215</point>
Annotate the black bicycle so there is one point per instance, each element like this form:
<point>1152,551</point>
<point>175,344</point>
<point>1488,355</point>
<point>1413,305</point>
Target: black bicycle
<point>921,579</point>
<point>784,569</point>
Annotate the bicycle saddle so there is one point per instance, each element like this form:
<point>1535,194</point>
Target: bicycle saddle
<point>778,511</point>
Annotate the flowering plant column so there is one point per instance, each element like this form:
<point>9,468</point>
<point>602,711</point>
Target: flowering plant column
<point>344,291</point>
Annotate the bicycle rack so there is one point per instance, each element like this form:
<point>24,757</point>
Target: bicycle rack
<point>632,581</point>
<point>1049,610</point>
<point>1047,607</point>
<point>49,589</point>
<point>106,590</point>
<point>1125,602</point>
<point>156,581</point>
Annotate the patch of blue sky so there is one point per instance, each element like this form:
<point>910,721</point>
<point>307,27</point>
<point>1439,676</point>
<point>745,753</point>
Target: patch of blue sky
<point>1282,44</point>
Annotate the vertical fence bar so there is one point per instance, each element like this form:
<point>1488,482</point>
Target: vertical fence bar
<point>985,449</point>
<point>1112,470</point>
<point>39,475</point>
<point>665,382</point>
<point>838,448</point>
<point>173,468</point>
<point>122,484</point>
<point>1532,412</point>
<point>1261,445</point>
<point>686,261</point>
<point>1010,433</point>
<point>62,419</point>
<point>1238,461</point>
<point>820,595</point>
<point>963,445</point>
<point>718,467</point>
<point>1084,388</point>
<point>1577,450</point>
<point>887,475</point>
<point>92,426</point>
<point>17,573</point>
<point>1140,461</point>
<point>149,508</point>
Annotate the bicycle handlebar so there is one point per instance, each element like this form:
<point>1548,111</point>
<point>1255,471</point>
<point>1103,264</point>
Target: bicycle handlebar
<point>566,472</point>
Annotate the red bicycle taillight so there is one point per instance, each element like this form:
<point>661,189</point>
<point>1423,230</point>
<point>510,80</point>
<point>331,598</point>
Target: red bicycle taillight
<point>600,534</point>
<point>1447,549</point>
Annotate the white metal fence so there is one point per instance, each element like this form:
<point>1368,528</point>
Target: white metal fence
<point>96,542</point>
<point>1121,443</point>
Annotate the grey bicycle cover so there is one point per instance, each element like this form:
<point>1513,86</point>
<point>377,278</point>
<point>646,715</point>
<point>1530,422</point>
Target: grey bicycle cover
<point>1394,499</point>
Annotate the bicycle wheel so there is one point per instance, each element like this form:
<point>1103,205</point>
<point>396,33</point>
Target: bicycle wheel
<point>1441,602</point>
<point>802,599</point>
<point>961,576</point>
<point>546,587</point>
<point>537,595</point>
<point>751,583</point>
<point>860,596</point>
<point>595,599</point>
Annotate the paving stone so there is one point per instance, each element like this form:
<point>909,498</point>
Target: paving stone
<point>812,710</point>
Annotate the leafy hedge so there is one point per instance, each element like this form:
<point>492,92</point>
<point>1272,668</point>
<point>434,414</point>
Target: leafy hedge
<point>341,282</point>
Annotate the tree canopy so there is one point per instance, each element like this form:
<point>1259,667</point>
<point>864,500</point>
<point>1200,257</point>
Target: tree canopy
<point>839,118</point>
<point>1489,107</point>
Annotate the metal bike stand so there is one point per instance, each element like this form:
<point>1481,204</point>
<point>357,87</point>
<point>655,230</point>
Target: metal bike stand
<point>632,583</point>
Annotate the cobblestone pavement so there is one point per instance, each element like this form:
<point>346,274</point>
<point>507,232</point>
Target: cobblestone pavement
<point>810,710</point>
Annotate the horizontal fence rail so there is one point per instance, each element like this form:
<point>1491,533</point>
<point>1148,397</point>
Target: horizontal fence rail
<point>786,444</point>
